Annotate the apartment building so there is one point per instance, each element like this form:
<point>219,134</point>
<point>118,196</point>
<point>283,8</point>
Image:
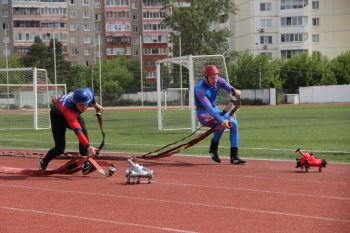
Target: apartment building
<point>69,21</point>
<point>282,28</point>
<point>88,29</point>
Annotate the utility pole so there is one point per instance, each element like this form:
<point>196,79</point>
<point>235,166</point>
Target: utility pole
<point>7,70</point>
<point>259,74</point>
<point>99,65</point>
<point>141,67</point>
<point>54,63</point>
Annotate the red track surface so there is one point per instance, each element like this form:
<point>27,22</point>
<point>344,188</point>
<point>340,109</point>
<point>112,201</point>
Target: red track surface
<point>188,194</point>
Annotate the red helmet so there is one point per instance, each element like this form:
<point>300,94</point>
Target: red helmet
<point>211,70</point>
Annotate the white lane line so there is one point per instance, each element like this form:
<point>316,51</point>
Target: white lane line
<point>184,203</point>
<point>256,177</point>
<point>254,190</point>
<point>93,219</point>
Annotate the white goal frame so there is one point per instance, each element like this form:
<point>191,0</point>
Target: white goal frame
<point>189,62</point>
<point>31,95</point>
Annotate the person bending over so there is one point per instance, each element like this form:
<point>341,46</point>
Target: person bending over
<point>65,114</point>
<point>208,114</point>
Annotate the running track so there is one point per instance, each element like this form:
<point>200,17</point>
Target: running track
<point>188,194</point>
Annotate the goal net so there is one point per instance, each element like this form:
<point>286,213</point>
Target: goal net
<point>25,98</point>
<point>176,79</point>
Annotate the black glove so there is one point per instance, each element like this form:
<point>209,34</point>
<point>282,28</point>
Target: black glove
<point>233,95</point>
<point>233,92</point>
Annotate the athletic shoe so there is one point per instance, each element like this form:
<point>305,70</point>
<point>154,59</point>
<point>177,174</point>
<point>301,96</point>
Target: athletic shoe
<point>87,168</point>
<point>237,161</point>
<point>214,156</point>
<point>42,166</point>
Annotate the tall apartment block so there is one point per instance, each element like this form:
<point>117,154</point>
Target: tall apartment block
<point>282,28</point>
<point>87,29</point>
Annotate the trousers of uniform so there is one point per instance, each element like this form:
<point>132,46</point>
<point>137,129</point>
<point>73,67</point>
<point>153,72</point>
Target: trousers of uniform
<point>59,126</point>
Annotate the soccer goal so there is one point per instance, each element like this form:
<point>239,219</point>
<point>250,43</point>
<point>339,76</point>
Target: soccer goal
<point>176,79</point>
<point>25,98</point>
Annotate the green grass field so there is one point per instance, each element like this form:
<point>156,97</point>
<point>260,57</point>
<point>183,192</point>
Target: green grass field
<point>265,132</point>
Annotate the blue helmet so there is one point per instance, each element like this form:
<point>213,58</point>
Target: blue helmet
<point>83,96</point>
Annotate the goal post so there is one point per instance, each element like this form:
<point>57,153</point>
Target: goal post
<point>25,98</point>
<point>176,79</point>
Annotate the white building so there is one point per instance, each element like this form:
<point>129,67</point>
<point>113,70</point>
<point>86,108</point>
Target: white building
<point>282,28</point>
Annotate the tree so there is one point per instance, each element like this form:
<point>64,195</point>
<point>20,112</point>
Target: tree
<point>133,66</point>
<point>13,62</point>
<point>304,70</point>
<point>341,68</point>
<point>37,55</point>
<point>114,75</point>
<point>63,67</point>
<point>195,25</point>
<point>247,72</point>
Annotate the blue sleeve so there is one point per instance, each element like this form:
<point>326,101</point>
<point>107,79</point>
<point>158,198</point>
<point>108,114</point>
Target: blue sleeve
<point>221,82</point>
<point>204,101</point>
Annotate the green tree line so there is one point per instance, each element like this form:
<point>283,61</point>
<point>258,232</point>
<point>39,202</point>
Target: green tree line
<point>245,71</point>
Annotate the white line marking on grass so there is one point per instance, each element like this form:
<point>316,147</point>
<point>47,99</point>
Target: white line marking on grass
<point>184,203</point>
<point>156,145</point>
<point>93,219</point>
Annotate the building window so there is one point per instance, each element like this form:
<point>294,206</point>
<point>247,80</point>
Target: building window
<point>97,5</point>
<point>315,5</point>
<point>87,39</point>
<point>135,28</point>
<point>98,17</point>
<point>295,21</point>
<point>73,39</point>
<point>73,27</point>
<point>292,37</point>
<point>135,52</point>
<point>117,2</point>
<point>75,51</point>
<point>265,6</point>
<point>136,41</point>
<point>72,2</point>
<point>150,75</point>
<point>316,22</point>
<point>266,23</point>
<point>316,53</point>
<point>87,52</point>
<point>286,54</point>
<point>5,14</point>
<point>87,14</point>
<point>86,27</point>
<point>268,55</point>
<point>265,39</point>
<point>134,5</point>
<point>293,4</point>
<point>86,2</point>
<point>98,29</point>
<point>73,14</point>
<point>5,26</point>
<point>155,39</point>
<point>315,38</point>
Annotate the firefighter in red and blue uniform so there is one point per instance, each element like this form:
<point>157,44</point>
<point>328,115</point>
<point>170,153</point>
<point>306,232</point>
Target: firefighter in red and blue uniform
<point>66,114</point>
<point>208,114</point>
